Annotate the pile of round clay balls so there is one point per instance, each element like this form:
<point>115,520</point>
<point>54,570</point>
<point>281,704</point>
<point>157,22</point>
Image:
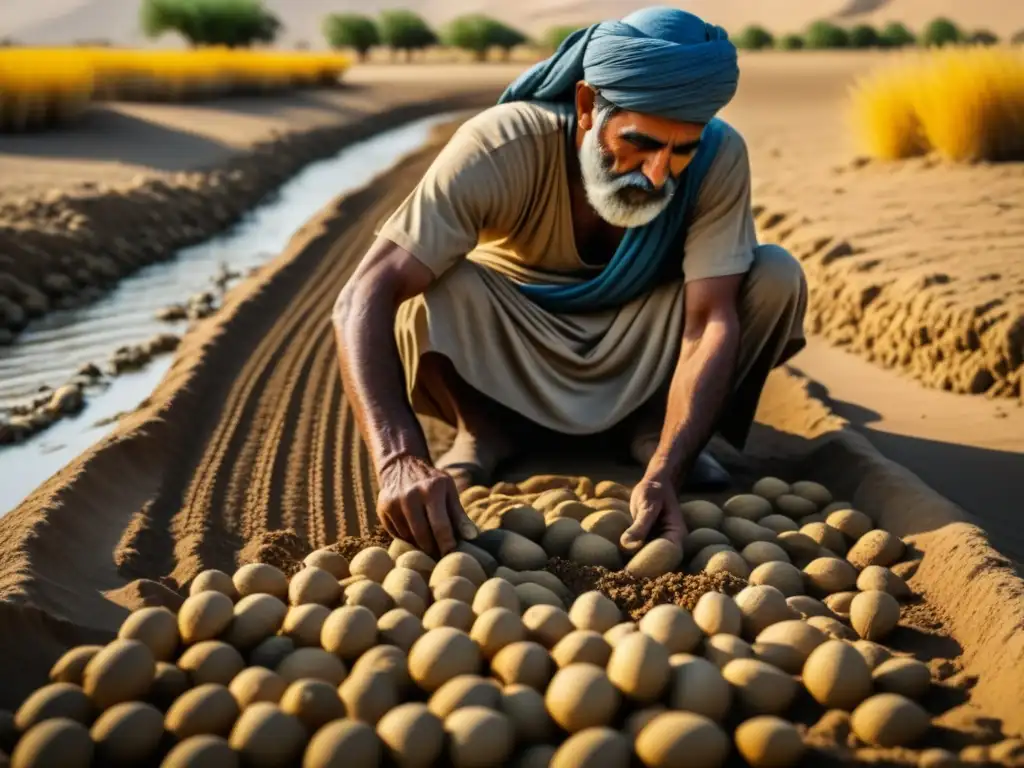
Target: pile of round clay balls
<point>483,658</point>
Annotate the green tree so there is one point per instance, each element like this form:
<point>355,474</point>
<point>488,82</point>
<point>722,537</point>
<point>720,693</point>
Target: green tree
<point>478,33</point>
<point>983,37</point>
<point>896,35</point>
<point>405,31</point>
<point>233,23</point>
<point>790,43</point>
<point>864,36</point>
<point>507,38</point>
<point>941,31</point>
<point>351,30</point>
<point>755,38</point>
<point>823,34</point>
<point>555,36</point>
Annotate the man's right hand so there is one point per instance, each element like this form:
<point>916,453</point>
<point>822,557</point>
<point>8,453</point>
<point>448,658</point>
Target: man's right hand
<point>418,503</point>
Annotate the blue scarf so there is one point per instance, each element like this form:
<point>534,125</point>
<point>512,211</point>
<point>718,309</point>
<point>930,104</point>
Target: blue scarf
<point>659,61</point>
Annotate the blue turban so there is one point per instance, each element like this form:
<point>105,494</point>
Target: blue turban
<point>659,61</point>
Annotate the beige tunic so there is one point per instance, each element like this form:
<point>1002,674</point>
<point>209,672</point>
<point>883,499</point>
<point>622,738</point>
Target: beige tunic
<point>494,208</point>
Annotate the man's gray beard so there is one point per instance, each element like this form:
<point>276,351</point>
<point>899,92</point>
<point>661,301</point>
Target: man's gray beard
<point>602,186</point>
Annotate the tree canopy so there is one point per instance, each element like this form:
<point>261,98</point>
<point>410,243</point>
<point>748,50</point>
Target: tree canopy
<point>233,23</point>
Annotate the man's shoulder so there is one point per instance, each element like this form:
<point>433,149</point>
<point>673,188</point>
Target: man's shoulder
<point>514,122</point>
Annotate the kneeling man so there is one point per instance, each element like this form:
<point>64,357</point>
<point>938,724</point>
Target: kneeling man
<point>580,256</point>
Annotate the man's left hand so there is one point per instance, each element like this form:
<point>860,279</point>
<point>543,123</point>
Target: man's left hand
<point>655,510</point>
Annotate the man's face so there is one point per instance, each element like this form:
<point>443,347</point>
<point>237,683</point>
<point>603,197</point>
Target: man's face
<point>631,163</point>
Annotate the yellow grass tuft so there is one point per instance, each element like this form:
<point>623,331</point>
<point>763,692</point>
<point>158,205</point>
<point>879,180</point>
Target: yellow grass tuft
<point>42,87</point>
<point>966,104</point>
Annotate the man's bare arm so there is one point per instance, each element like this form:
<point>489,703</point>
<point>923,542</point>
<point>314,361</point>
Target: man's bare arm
<point>701,383</point>
<point>417,502</point>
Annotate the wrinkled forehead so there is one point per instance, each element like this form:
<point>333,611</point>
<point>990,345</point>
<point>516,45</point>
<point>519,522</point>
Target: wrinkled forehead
<point>661,129</point>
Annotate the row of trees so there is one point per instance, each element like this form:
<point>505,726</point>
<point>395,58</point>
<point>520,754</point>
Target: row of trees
<point>823,35</point>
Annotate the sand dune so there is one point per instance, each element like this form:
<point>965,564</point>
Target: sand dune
<point>63,21</point>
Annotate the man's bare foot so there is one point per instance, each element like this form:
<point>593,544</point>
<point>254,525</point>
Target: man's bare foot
<point>705,474</point>
<point>472,459</point>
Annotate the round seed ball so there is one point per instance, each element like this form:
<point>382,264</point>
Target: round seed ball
<point>749,506</point>
<point>496,628</point>
<point>828,575</point>
<point>449,613</point>
<point>211,661</point>
<point>343,744</point>
<point>203,751</point>
<point>207,709</point>
<point>583,646</point>
<point>697,685</point>
<point>877,577</point>
<point>807,606</point>
<point>571,508</point>
<point>120,672</point>
<point>455,588</point>
<point>771,488</point>
<point>700,538</point>
<point>592,746</point>
<point>328,560</point>
<point>671,626</point>
<point>495,593</point>
<point>203,616</point>
<point>479,737</point>
<point>266,736</point>
<point>938,758</point>
<point>837,676</point>
<point>440,655</point>
<point>531,594</point>
<point>874,614</point>
<point>812,491</point>
<point>796,507</point>
<point>397,548</point>
<point>546,624</point>
<point>769,742</point>
<point>761,607</point>
<point>742,531</point>
<point>547,580</point>
<point>639,719</point>
<point>716,614</point>
<point>59,741</point>
<point>762,689</point>
<point>614,635</point>
<point>835,629</point>
<point>385,658</point>
<point>313,702</point>
<point>369,696</point>
<point>761,552</point>
<point>594,611</point>
<point>127,733</point>
<point>800,547</point>
<point>873,653</point>
<point>271,652</point>
<point>370,595</point>
<point>591,549</point>
<point>889,720</point>
<point>256,617</point>
<point>782,575</point>
<point>213,580</point>
<point>70,667</point>
<point>639,667</point>
<point>525,662</point>
<point>312,663</point>
<point>851,523</point>
<point>417,561</point>
<point>256,578</point>
<point>303,624</point>
<point>401,580</point>
<point>682,738</point>
<point>581,696</point>
<point>840,603</point>
<point>399,627</point>
<point>826,536</point>
<point>168,684</point>
<point>373,562</point>
<point>787,645</point>
<point>656,558</point>
<point>608,523</point>
<point>256,684</point>
<point>701,514</point>
<point>313,585</point>
<point>524,520</point>
<point>721,649</point>
<point>876,548</point>
<point>559,536</point>
<point>349,631</point>
<point>778,523</point>
<point>412,736</point>
<point>458,564</point>
<point>524,707</point>
<point>464,691</point>
<point>157,627</point>
<point>907,677</point>
<point>54,700</point>
<point>728,562</point>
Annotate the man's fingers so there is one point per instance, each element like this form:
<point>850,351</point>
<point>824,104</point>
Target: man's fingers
<point>673,527</point>
<point>457,514</point>
<point>437,515</point>
<point>645,514</point>
<point>416,517</point>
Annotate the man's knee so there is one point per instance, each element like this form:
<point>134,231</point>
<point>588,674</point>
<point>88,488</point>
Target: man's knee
<point>775,277</point>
